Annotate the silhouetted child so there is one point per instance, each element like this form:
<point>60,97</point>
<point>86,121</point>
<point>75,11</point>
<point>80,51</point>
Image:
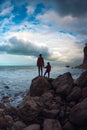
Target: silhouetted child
<point>48,69</point>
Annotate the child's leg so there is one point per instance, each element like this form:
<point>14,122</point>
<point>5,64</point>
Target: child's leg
<point>48,74</point>
<point>45,72</point>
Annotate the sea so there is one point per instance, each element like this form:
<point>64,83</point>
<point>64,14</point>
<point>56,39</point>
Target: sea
<point>15,81</point>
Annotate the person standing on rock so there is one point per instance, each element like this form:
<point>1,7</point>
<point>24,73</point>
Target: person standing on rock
<point>48,69</point>
<point>40,65</point>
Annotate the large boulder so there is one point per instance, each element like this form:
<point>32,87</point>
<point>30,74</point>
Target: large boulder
<point>39,86</point>
<point>49,102</point>
<point>63,84</point>
<point>29,109</point>
<point>68,126</point>
<point>32,127</point>
<point>75,94</point>
<point>50,113</point>
<point>3,123</point>
<point>82,80</point>
<point>78,114</point>
<point>84,92</point>
<point>51,124</point>
<point>9,120</point>
<point>19,125</point>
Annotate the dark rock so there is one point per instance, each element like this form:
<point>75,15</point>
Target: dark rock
<point>85,55</point>
<point>51,124</point>
<point>83,128</point>
<point>82,80</point>
<point>78,114</point>
<point>29,110</point>
<point>67,66</point>
<point>11,111</point>
<point>3,123</point>
<point>75,94</point>
<point>7,87</point>
<point>19,125</point>
<point>9,120</point>
<point>50,113</point>
<point>33,127</point>
<point>39,86</point>
<point>49,102</point>
<point>5,99</point>
<point>84,64</point>
<point>69,126</point>
<point>63,84</point>
<point>84,92</point>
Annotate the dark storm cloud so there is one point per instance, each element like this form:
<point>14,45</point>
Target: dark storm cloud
<point>20,47</point>
<point>75,8</point>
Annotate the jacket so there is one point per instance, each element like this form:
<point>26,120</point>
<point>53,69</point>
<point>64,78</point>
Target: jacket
<point>40,61</point>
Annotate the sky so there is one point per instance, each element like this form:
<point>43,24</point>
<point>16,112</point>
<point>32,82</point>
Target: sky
<point>56,28</point>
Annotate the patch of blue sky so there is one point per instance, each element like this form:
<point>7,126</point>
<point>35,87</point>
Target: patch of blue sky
<point>2,1</point>
<point>20,14</point>
<point>39,9</point>
<point>68,32</point>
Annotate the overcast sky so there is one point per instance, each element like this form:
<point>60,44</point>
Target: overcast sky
<point>57,29</point>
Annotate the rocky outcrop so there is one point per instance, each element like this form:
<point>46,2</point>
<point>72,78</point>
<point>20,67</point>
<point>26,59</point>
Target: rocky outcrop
<point>84,64</point>
<point>78,114</point>
<point>64,87</point>
<point>39,86</point>
<point>82,80</point>
<point>51,124</point>
<point>50,104</point>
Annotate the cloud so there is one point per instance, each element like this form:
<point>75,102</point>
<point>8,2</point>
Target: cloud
<point>20,47</point>
<point>30,10</point>
<point>74,8</point>
<point>6,11</point>
<point>6,8</point>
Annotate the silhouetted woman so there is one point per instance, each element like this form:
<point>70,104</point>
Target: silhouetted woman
<point>40,64</point>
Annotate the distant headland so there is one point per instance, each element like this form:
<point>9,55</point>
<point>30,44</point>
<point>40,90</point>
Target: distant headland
<point>84,64</point>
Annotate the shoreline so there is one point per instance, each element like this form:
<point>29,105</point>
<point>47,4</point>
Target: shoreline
<point>49,101</point>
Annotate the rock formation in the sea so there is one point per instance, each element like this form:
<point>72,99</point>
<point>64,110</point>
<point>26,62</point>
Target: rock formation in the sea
<point>84,64</point>
<point>50,104</point>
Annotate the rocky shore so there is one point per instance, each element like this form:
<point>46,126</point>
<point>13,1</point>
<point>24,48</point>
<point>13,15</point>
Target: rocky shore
<point>50,104</point>
<point>84,64</point>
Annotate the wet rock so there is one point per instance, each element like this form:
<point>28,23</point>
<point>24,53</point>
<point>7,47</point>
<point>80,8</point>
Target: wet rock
<point>78,114</point>
<point>9,110</point>
<point>5,99</point>
<point>33,127</point>
<point>7,87</point>
<point>63,84</point>
<point>51,124</point>
<point>39,86</point>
